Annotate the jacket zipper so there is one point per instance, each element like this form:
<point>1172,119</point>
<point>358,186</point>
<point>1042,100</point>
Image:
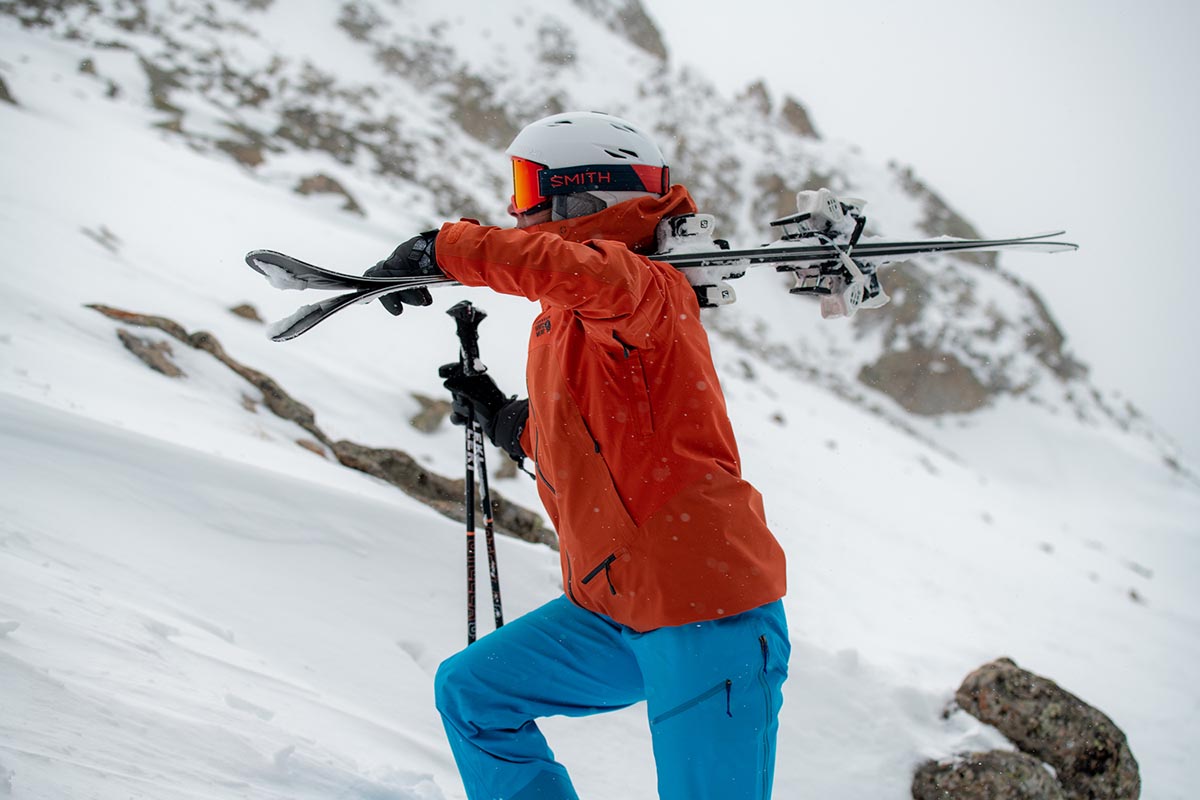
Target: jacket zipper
<point>537,462</point>
<point>570,580</point>
<point>603,565</point>
<point>724,686</point>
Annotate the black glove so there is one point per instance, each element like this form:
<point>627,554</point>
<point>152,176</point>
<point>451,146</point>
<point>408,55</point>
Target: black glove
<point>414,257</point>
<point>501,417</point>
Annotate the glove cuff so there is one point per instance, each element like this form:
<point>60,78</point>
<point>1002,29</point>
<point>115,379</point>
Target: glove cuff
<point>507,426</point>
<point>422,256</point>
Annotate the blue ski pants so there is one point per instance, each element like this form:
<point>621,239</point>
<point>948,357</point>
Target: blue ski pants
<point>712,691</point>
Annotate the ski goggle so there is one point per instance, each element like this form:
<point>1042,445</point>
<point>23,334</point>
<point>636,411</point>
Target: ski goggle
<point>534,183</point>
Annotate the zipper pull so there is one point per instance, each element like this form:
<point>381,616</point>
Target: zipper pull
<point>626,348</point>
<point>607,576</point>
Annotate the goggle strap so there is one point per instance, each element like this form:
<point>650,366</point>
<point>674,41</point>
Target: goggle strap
<point>607,177</point>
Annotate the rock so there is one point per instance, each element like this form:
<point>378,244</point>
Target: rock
<point>474,106</point>
<point>556,46</point>
<point>311,446</point>
<point>939,219</point>
<point>5,95</point>
<point>400,469</point>
<point>277,399</point>
<point>246,311</point>
<point>795,117</point>
<point>156,355</point>
<point>143,321</point>
<point>507,468</point>
<point>628,19</point>
<point>394,466</point>
<point>1087,750</point>
<point>323,184</point>
<point>994,775</point>
<point>925,381</point>
<point>431,414</point>
<point>246,154</point>
<point>757,97</point>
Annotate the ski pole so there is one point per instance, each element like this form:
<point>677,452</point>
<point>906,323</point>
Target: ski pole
<point>489,528</point>
<point>469,505</point>
<point>468,317</point>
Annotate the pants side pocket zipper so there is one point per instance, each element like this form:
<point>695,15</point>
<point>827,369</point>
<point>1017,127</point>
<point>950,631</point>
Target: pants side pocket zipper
<point>725,686</point>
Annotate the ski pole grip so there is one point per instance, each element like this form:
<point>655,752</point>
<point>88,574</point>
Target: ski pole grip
<point>467,317</point>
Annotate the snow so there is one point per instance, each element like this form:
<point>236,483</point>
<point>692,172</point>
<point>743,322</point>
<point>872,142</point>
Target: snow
<point>278,277</point>
<point>195,606</point>
<point>279,326</point>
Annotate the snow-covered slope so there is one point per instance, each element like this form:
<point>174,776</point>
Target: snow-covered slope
<point>191,605</point>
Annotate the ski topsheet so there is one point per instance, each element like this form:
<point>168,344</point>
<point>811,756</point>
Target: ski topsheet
<point>704,268</point>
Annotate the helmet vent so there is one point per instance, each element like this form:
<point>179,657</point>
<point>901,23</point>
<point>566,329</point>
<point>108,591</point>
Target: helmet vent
<point>621,152</point>
<point>628,128</point>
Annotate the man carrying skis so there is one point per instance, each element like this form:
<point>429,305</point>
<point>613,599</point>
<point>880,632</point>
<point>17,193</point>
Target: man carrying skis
<point>672,578</point>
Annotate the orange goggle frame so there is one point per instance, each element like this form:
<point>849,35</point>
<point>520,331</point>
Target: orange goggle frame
<point>534,183</point>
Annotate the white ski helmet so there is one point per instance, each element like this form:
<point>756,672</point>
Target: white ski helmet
<point>580,162</point>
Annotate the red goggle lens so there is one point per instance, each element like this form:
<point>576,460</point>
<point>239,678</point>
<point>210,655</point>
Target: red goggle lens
<point>526,192</point>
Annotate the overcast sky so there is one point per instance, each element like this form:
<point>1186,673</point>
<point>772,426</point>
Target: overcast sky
<point>1025,116</point>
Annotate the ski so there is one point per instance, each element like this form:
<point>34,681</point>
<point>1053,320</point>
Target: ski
<point>821,244</point>
<point>286,272</point>
<point>784,254</point>
<point>704,268</point>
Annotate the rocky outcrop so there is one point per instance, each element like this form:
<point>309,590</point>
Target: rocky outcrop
<point>277,400</point>
<point>431,415</point>
<point>444,494</point>
<point>795,118</point>
<point>5,94</point>
<point>427,133</point>
<point>925,381</point>
<point>994,775</point>
<point>628,19</point>
<point>1051,727</point>
<point>246,311</point>
<point>939,218</point>
<point>394,466</point>
<point>155,355</point>
<point>1087,750</point>
<point>323,184</point>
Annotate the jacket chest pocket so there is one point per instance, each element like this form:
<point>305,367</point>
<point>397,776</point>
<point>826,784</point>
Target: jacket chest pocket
<point>634,409</point>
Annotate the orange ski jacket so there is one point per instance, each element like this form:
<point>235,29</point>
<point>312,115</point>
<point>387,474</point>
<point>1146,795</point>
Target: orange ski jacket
<point>635,456</point>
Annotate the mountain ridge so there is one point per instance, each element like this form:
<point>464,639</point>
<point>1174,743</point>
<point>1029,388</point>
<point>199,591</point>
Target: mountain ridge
<point>209,70</point>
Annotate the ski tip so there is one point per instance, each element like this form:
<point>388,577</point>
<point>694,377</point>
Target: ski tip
<point>289,328</point>
<point>256,258</point>
<point>1051,247</point>
<point>1043,246</point>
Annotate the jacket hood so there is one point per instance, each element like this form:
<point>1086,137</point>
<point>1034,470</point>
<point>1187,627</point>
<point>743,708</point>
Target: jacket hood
<point>632,222</point>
